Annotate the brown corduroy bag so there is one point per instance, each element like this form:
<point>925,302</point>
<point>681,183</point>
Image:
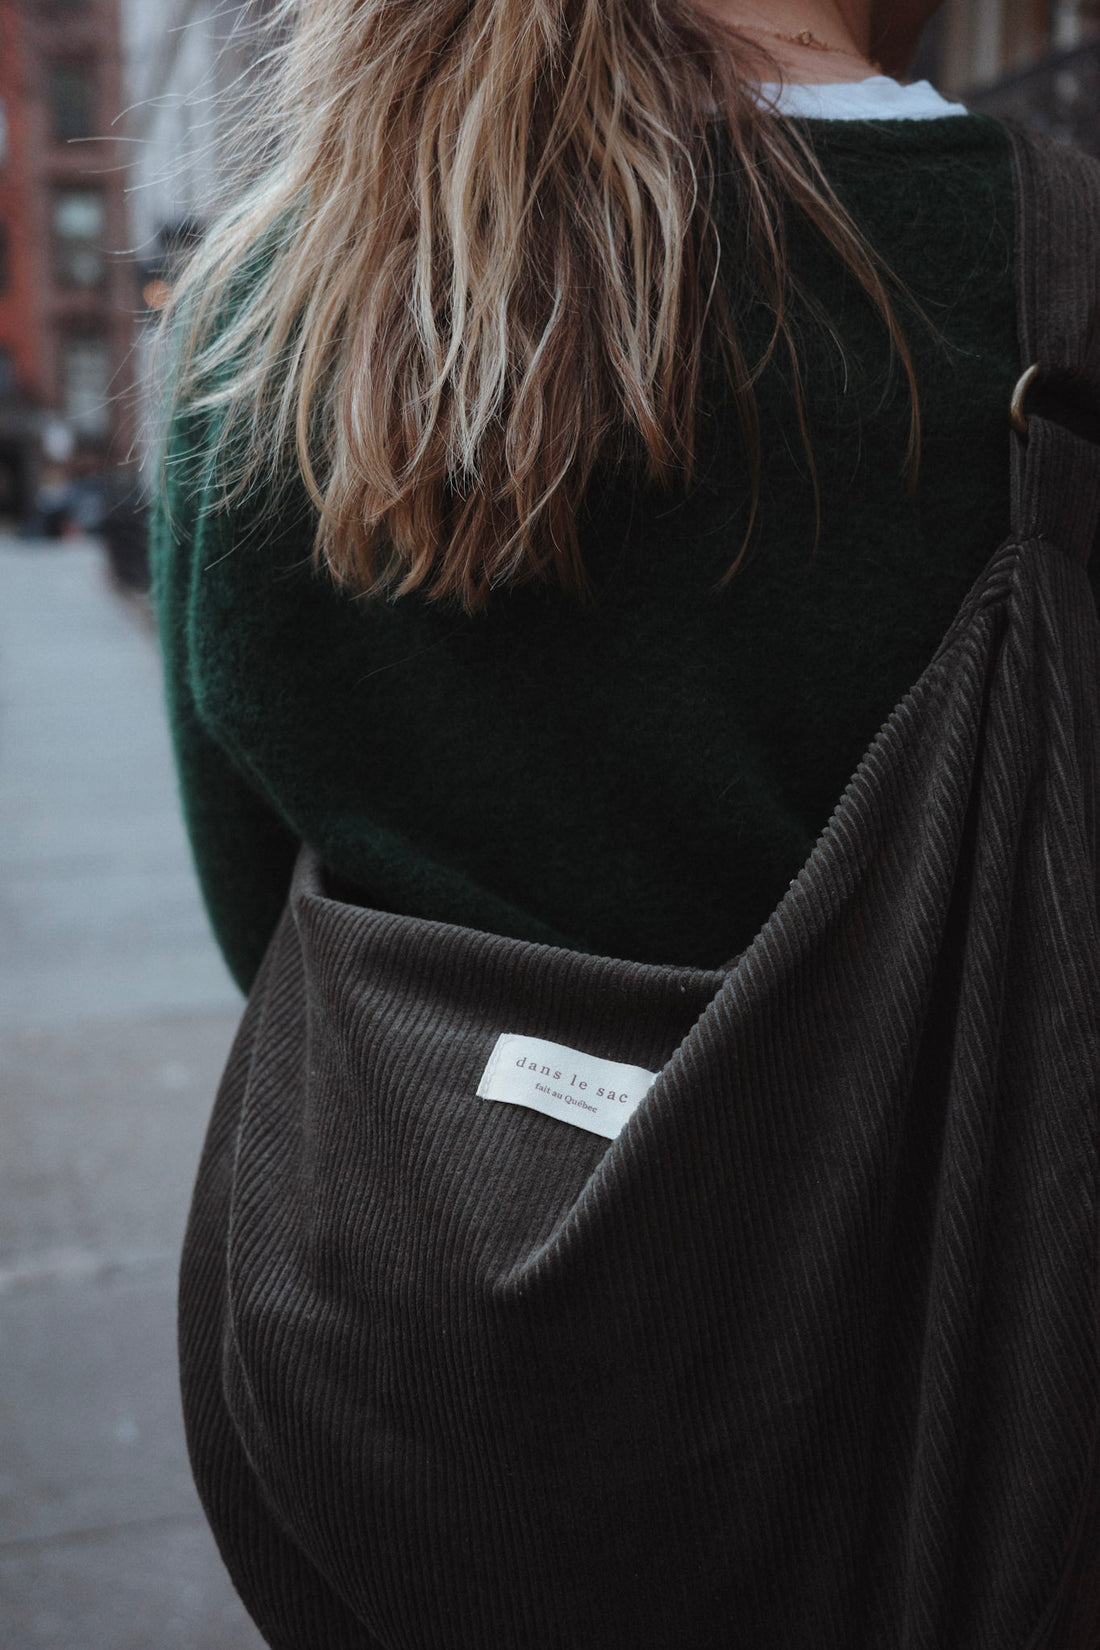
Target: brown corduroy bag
<point>789,1341</point>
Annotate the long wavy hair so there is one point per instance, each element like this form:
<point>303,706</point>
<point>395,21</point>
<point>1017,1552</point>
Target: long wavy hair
<point>471,254</point>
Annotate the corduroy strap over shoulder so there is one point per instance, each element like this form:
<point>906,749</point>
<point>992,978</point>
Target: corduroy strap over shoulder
<point>1056,471</point>
<point>807,1354</point>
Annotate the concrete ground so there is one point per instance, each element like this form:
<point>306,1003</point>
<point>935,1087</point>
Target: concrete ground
<point>116,1014</point>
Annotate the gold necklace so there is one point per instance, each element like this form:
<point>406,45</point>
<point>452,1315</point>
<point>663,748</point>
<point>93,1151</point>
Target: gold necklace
<point>806,38</point>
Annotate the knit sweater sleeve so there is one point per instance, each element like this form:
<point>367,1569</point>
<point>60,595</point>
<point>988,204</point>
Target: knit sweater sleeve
<point>242,848</point>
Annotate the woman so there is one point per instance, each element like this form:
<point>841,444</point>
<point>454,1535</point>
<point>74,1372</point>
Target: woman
<point>680,779</point>
<point>585,431</point>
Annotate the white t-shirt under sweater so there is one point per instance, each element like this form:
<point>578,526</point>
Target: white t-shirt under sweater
<point>876,98</point>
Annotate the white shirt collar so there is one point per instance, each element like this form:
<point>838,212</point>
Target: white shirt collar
<point>876,98</point>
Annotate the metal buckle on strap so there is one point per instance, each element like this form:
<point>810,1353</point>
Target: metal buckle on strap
<point>1016,405</point>
<point>1069,396</point>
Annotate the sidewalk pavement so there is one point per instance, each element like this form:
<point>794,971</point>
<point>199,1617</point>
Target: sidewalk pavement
<point>116,1014</point>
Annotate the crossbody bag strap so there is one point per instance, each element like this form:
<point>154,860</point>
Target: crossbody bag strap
<point>1055,409</point>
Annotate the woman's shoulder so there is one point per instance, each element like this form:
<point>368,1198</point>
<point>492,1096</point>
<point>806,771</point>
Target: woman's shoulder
<point>893,150</point>
<point>879,120</point>
<point>881,123</point>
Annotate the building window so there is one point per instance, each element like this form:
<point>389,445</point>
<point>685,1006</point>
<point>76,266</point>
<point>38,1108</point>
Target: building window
<point>5,262</point>
<point>3,132</point>
<point>86,383</point>
<point>72,100</point>
<point>7,373</point>
<point>79,221</point>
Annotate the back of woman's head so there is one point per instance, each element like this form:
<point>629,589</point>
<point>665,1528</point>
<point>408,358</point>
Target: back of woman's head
<point>473,254</point>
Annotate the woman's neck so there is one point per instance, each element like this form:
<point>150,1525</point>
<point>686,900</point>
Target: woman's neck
<point>836,34</point>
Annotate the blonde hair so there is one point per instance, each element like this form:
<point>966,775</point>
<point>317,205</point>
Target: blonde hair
<point>473,254</point>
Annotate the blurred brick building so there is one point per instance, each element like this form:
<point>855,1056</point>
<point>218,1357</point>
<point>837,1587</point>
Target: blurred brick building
<point>189,67</point>
<point>67,292</point>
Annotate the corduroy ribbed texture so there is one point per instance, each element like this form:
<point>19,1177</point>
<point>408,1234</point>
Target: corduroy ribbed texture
<point>808,1355</point>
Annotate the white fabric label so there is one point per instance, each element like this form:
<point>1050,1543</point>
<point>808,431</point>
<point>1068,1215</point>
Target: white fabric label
<point>563,1082</point>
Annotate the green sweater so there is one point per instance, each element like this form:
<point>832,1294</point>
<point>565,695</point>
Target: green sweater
<point>645,778</point>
